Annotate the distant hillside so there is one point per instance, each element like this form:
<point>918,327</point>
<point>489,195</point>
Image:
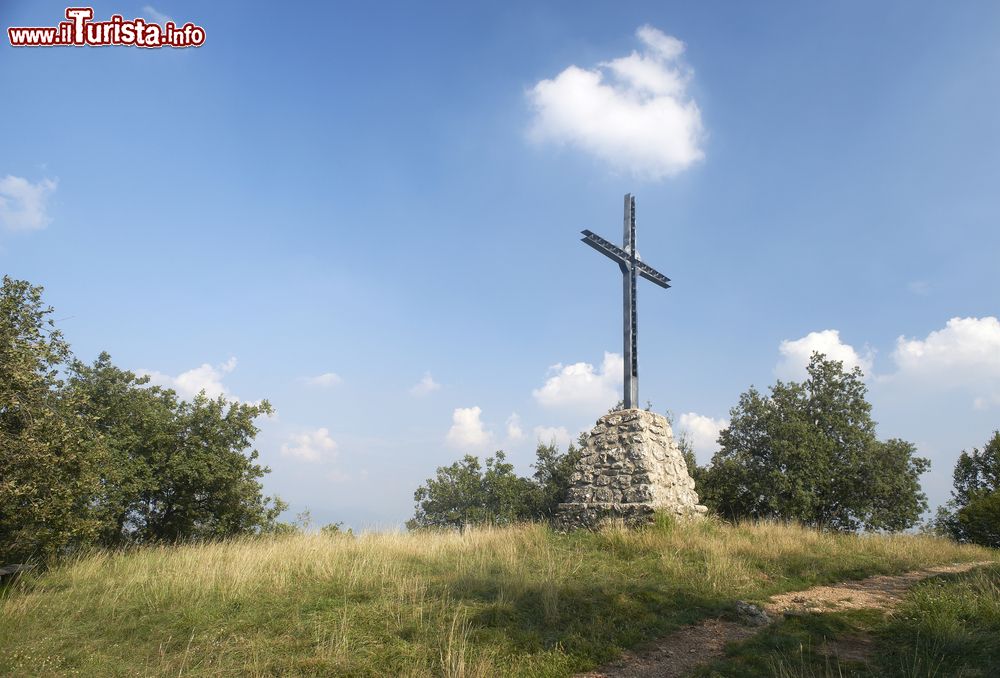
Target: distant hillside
<point>514,601</point>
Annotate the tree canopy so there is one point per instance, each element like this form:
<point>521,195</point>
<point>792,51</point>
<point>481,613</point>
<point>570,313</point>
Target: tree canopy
<point>973,514</point>
<point>50,460</point>
<point>95,455</point>
<point>808,452</point>
<point>470,493</point>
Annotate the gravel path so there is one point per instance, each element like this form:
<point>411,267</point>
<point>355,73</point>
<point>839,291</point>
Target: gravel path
<point>676,655</point>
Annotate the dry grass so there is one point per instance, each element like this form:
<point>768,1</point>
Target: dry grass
<point>518,600</point>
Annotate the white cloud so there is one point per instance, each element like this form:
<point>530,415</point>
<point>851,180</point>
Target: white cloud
<point>188,384</point>
<point>581,387</point>
<point>467,429</point>
<point>965,345</point>
<point>632,112</point>
<point>514,431</point>
<point>310,446</point>
<point>425,386</point>
<point>965,353</point>
<point>158,17</point>
<point>557,434</point>
<point>704,432</point>
<point>23,204</point>
<point>795,354</point>
<point>325,379</point>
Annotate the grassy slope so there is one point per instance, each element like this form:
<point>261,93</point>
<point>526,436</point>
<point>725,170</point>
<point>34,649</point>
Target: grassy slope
<point>517,601</point>
<point>946,626</point>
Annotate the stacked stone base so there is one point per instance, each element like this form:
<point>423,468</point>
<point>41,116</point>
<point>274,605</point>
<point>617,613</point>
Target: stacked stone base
<point>629,470</point>
<point>595,514</point>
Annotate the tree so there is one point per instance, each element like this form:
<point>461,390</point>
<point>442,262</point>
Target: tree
<point>973,513</point>
<point>979,520</point>
<point>808,452</point>
<point>49,458</point>
<point>176,470</point>
<point>465,493</point>
<point>552,477</point>
<point>94,455</point>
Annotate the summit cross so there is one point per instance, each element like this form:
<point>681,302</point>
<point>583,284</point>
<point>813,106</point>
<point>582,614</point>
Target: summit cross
<point>631,268</point>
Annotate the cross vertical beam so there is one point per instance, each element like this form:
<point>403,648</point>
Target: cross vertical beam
<point>631,268</point>
<point>630,318</point>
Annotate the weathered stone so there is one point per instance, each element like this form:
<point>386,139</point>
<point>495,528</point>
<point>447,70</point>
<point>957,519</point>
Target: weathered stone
<point>630,468</point>
<point>752,614</point>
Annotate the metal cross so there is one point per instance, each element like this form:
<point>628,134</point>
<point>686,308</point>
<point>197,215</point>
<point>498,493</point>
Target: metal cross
<point>631,267</point>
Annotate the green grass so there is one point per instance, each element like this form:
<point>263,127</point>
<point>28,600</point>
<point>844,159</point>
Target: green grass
<point>946,626</point>
<point>513,601</point>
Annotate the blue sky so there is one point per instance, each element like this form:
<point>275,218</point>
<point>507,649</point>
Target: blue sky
<point>391,196</point>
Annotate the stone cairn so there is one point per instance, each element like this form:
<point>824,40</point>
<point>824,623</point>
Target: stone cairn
<point>630,468</point>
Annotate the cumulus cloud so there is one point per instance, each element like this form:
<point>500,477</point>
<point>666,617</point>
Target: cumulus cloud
<point>310,445</point>
<point>467,429</point>
<point>704,432</point>
<point>553,434</point>
<point>795,354</point>
<point>325,379</point>
<point>966,352</point>
<point>581,387</point>
<point>632,112</point>
<point>514,431</point>
<point>425,386</point>
<point>964,345</point>
<point>23,205</point>
<point>206,377</point>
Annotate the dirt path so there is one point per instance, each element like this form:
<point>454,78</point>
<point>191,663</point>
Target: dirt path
<point>679,653</point>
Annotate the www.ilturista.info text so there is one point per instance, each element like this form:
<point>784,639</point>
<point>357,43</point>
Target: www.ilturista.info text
<point>81,31</point>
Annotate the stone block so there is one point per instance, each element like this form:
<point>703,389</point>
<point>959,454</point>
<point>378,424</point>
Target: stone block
<point>630,468</point>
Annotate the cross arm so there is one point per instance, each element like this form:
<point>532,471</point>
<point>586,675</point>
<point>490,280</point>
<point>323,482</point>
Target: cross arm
<point>620,256</point>
<point>611,251</point>
<point>652,275</point>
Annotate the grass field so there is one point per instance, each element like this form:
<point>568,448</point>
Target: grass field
<point>947,626</point>
<point>513,601</point>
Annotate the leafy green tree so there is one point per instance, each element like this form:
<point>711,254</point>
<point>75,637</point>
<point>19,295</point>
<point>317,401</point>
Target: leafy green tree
<point>467,493</point>
<point>176,469</point>
<point>49,458</point>
<point>136,422</point>
<point>808,452</point>
<point>553,470</point>
<point>94,455</point>
<point>979,520</point>
<point>978,472</point>
<point>973,514</point>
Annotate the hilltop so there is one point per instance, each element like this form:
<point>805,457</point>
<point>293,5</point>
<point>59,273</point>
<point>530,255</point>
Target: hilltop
<point>513,601</point>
